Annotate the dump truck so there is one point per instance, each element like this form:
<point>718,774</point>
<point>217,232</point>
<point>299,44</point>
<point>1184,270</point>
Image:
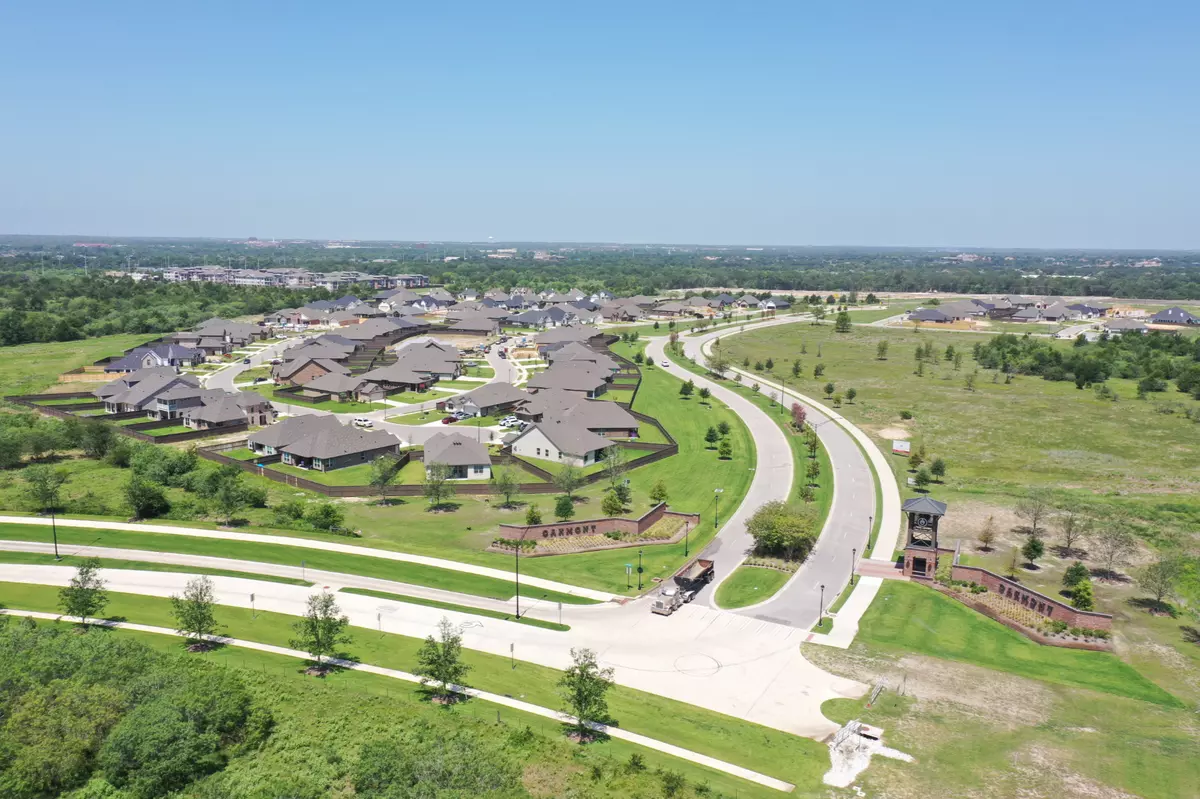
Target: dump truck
<point>694,576</point>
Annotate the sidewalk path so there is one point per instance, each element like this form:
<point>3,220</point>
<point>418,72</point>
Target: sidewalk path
<point>736,665</point>
<point>505,701</point>
<point>309,543</point>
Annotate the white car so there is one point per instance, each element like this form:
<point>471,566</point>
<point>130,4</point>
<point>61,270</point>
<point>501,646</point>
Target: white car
<point>666,362</point>
<point>509,421</point>
<point>362,421</point>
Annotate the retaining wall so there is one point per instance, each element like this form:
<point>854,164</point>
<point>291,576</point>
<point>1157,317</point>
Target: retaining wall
<point>1044,605</point>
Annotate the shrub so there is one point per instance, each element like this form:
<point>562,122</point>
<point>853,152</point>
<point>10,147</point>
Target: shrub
<point>906,414</point>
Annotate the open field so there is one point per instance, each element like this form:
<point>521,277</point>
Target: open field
<point>33,368</point>
<point>357,475</point>
<point>433,603</point>
<point>789,757</point>
<point>981,720</point>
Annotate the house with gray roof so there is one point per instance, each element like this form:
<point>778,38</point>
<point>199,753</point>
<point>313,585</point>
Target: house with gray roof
<point>137,391</point>
<point>929,315</point>
<point>342,387</point>
<point>1118,327</point>
<point>561,441</point>
<point>336,447</point>
<point>270,440</point>
<point>152,355</point>
<point>220,409</point>
<point>490,399</point>
<point>467,458</point>
<point>1174,316</point>
<point>589,380</point>
<point>575,351</point>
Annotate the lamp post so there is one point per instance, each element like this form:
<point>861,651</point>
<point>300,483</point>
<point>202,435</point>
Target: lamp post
<point>853,559</point>
<point>821,609</point>
<point>517,573</point>
<point>54,532</point>
<point>717,492</point>
<point>639,570</point>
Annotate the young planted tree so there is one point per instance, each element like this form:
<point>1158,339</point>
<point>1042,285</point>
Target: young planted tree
<point>564,507</point>
<point>44,486</point>
<point>922,479</point>
<point>1035,508</point>
<point>1032,549</point>
<point>958,361</point>
<point>851,393</point>
<point>723,428</point>
<point>383,471</point>
<point>436,485</point>
<point>1083,597</point>
<point>725,450</point>
<point>658,492</point>
<point>987,534</point>
<point>799,415</point>
<point>84,596</point>
<point>439,661</point>
<point>1160,579</point>
<point>704,394</point>
<point>1075,574</point>
<point>842,324</point>
<point>914,461</point>
<point>718,363</point>
<point>533,515</point>
<point>1113,545</point>
<point>796,367</point>
<point>829,388</point>
<point>770,364</point>
<point>881,350</point>
<point>230,498</point>
<point>1074,524</point>
<point>321,629</point>
<point>813,471</point>
<point>583,687</point>
<point>612,505</point>
<point>812,443</point>
<point>711,437</point>
<point>193,611</point>
<point>568,479</point>
<point>818,370</point>
<point>938,469</point>
<point>969,381</point>
<point>505,484</point>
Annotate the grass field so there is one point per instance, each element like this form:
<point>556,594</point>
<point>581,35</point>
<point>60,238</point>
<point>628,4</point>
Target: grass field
<point>357,475</point>
<point>416,397</point>
<point>433,603</point>
<point>32,368</point>
<point>72,401</point>
<point>749,585</point>
<point>789,757</point>
<point>913,618</point>
<point>240,453</point>
<point>172,430</point>
<point>413,573</point>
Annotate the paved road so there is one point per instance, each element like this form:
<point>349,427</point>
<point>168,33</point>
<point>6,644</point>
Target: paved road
<point>735,665</point>
<point>225,378</point>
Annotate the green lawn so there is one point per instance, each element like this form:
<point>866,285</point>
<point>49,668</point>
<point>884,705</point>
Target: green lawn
<point>268,391</point>
<point>71,401</point>
<point>480,370</point>
<point>46,559</point>
<point>240,454</point>
<point>415,397</point>
<point>32,368</point>
<point>417,417</point>
<point>357,475</point>
<point>617,395</point>
<point>912,618</point>
<point>433,603</point>
<point>466,385</point>
<point>893,308</point>
<point>367,566</point>
<point>749,585</point>
<point>173,429</point>
<point>789,757</point>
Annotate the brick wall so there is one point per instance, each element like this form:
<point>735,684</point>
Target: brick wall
<point>596,526</point>
<point>1047,606</point>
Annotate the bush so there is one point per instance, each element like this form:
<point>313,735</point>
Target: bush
<point>906,414</point>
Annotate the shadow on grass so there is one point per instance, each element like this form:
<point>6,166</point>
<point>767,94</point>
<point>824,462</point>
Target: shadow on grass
<point>1153,606</point>
<point>1110,576</point>
<point>1190,634</point>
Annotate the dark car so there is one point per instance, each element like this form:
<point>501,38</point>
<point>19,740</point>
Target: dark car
<point>449,419</point>
<point>245,360</point>
<point>503,354</point>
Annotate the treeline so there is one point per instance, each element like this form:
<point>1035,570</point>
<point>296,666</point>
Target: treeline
<point>65,307</point>
<point>114,715</point>
<point>1154,360</point>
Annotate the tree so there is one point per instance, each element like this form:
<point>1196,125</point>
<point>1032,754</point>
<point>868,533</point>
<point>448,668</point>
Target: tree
<point>842,323</point>
<point>612,505</point>
<point>686,389</point>
<point>193,611</point>
<point>784,531</point>
<point>987,534</point>
<point>812,443</point>
<point>439,660</point>
<point>958,360</point>
<point>938,469</point>
<point>322,628</point>
<point>436,485</point>
<point>923,478</point>
<point>230,498</point>
<point>96,439</point>
<point>583,687</point>
<point>84,596</point>
<point>914,461</point>
<point>383,471</point>
<point>770,364</point>
<point>725,450</point>
<point>1034,508</point>
<point>718,362</point>
<point>1075,574</point>
<point>1032,549</point>
<point>325,516</point>
<point>1113,545</point>
<point>796,367</point>
<point>881,350</point>
<point>504,483</point>
<point>568,479</point>
<point>818,313</point>
<point>1012,565</point>
<point>818,370</point>
<point>813,471</point>
<point>1074,524</point>
<point>711,436</point>
<point>44,484</point>
<point>533,515</point>
<point>658,492</point>
<point>799,415</point>
<point>146,499</point>
<point>723,428</point>
<point>969,381</point>
<point>1083,597</point>
<point>1160,578</point>
<point>564,507</point>
<point>851,393</point>
<point>705,393</point>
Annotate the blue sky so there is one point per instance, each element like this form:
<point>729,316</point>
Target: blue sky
<point>1022,124</point>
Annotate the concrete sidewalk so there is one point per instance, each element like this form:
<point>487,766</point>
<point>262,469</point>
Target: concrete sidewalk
<point>505,701</point>
<point>309,543</point>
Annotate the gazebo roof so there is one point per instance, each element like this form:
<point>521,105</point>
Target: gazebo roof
<point>924,505</point>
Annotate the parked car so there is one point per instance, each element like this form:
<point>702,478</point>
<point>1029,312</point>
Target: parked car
<point>666,362</point>
<point>245,360</point>
<point>509,421</point>
<point>362,421</point>
<point>449,420</point>
<point>276,361</point>
<point>503,354</point>
<point>460,415</point>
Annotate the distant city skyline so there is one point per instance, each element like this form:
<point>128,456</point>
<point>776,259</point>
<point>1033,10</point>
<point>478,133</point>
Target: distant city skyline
<point>1026,126</point>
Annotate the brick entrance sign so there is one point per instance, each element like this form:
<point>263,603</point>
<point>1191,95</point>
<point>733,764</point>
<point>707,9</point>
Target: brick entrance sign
<point>596,526</point>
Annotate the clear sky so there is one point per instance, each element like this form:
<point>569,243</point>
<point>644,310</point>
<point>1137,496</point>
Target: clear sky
<point>1067,123</point>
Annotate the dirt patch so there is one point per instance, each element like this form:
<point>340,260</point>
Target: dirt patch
<point>316,671</point>
<point>893,433</point>
<point>1043,765</point>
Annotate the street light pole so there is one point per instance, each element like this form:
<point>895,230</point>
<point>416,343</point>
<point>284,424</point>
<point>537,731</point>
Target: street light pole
<point>853,559</point>
<point>821,610</point>
<point>717,492</point>
<point>54,532</point>
<point>517,573</point>
<point>639,570</point>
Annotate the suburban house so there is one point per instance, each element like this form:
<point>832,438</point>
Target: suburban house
<point>672,308</point>
<point>579,376</point>
<point>269,440</point>
<point>467,458</point>
<point>561,441</point>
<point>622,312</point>
<point>1088,311</point>
<point>219,409</point>
<point>399,377</point>
<point>1017,301</point>
<point>437,359</point>
<point>1174,316</point>
<point>1029,313</point>
<point>607,419</point>
<point>136,391</point>
<point>341,387</point>
<point>929,315</point>
<point>300,371</point>
<point>237,334</point>
<point>1122,326</point>
<point>748,302</point>
<point>152,355</point>
<point>490,399</point>
<point>1058,312</point>
<point>336,447</point>
<point>575,351</point>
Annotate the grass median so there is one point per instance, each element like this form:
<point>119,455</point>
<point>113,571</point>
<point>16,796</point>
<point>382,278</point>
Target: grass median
<point>46,559</point>
<point>798,760</point>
